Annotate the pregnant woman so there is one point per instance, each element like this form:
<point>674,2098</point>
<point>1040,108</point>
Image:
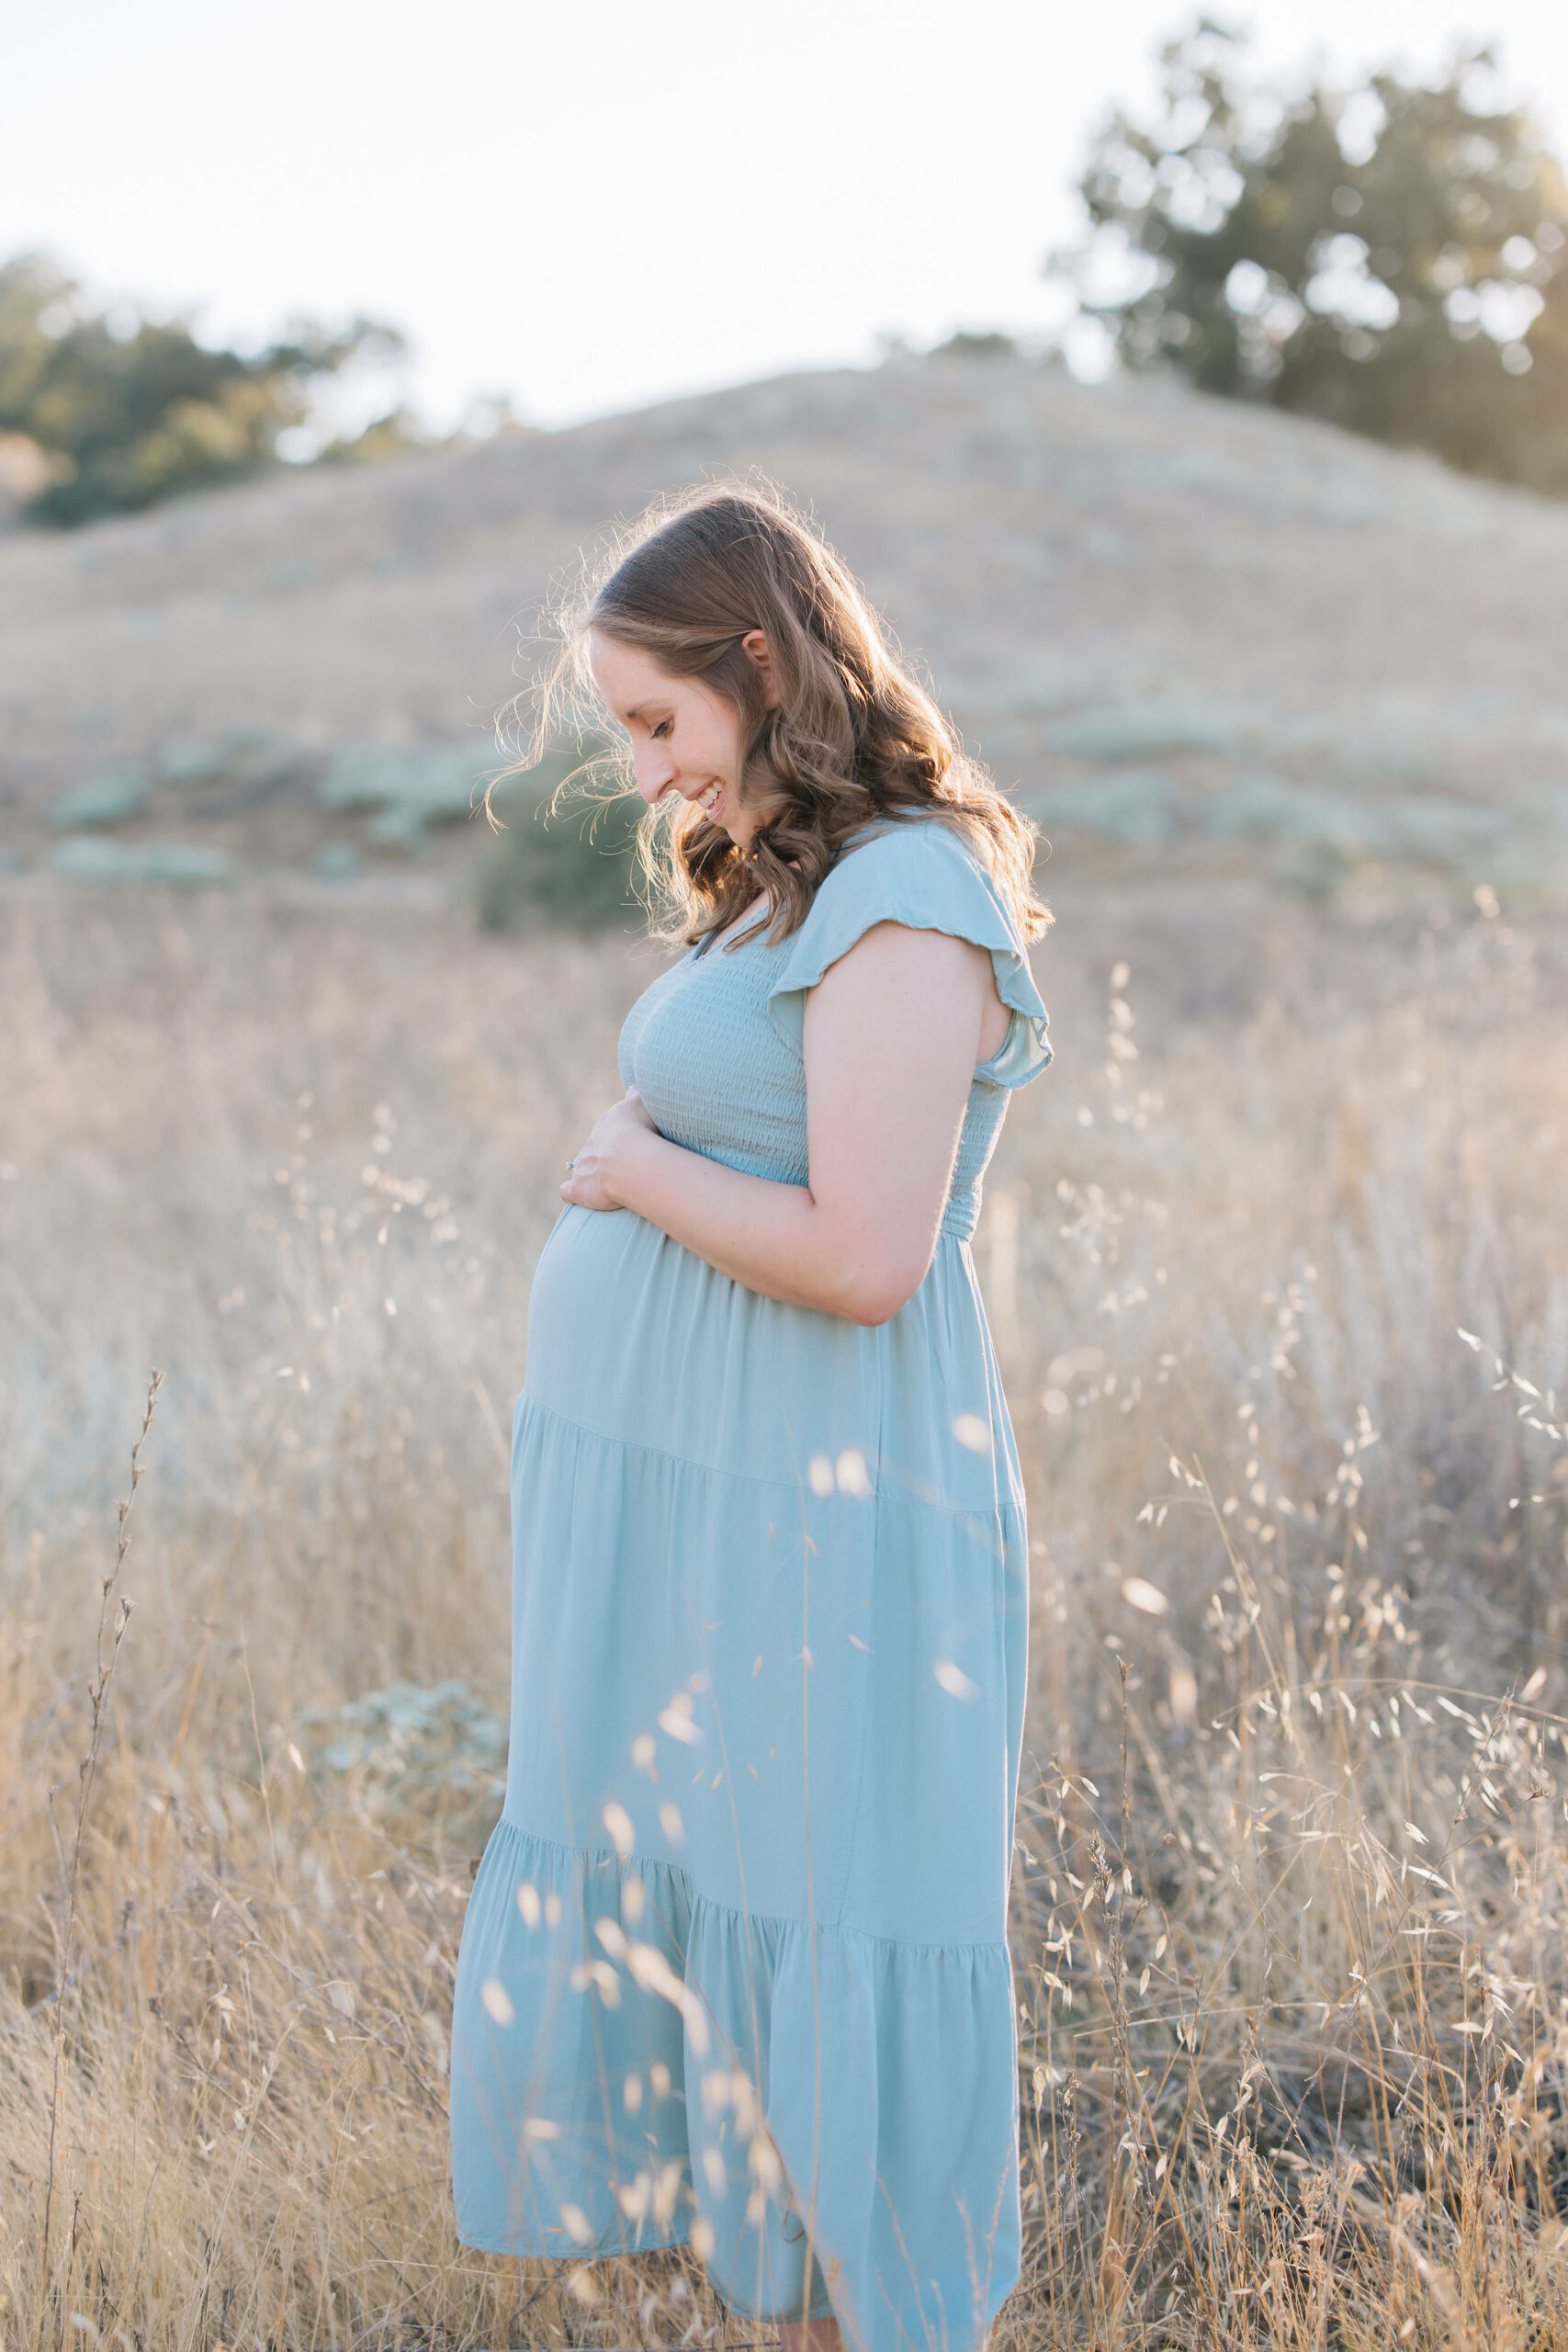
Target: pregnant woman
<point>735,1970</point>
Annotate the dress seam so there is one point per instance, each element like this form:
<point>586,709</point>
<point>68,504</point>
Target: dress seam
<point>660,1452</point>
<point>882,1492</point>
<point>608,1856</point>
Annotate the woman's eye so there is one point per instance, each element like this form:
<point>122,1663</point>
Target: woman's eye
<point>661,729</point>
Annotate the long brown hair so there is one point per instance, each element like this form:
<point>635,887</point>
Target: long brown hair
<point>853,738</point>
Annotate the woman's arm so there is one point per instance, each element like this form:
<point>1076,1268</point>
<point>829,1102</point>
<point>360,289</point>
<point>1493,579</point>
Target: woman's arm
<point>892,1035</point>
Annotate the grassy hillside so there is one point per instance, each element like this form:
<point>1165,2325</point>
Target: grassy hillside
<point>1179,629</point>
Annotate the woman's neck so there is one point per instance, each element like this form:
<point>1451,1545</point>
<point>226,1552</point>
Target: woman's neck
<point>718,938</point>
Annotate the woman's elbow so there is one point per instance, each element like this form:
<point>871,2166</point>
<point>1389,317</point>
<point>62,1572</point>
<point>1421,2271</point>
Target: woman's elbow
<point>874,1293</point>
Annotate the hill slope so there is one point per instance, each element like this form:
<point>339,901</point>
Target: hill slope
<point>1169,623</point>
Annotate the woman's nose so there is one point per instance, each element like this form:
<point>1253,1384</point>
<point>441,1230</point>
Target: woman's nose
<point>653,776</point>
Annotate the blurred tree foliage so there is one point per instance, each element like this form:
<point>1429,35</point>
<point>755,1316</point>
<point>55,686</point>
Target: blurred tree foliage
<point>1392,257</point>
<point>131,413</point>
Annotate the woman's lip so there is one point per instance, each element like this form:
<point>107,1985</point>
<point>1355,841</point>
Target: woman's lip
<point>699,799</point>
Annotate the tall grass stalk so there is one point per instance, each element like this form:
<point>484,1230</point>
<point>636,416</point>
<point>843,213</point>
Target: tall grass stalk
<point>106,1657</point>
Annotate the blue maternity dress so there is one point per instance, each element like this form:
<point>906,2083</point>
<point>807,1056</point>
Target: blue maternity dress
<point>735,1968</point>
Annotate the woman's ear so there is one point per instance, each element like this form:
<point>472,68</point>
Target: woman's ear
<point>755,647</point>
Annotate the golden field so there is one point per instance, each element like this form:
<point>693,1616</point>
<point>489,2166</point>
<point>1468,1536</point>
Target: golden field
<point>1289,1896</point>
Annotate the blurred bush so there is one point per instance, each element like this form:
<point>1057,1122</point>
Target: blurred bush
<point>1320,832</point>
<point>244,756</point>
<point>408,1743</point>
<point>245,761</point>
<point>1132,806</point>
<point>1133,730</point>
<point>1391,258</point>
<point>967,344</point>
<point>112,798</point>
<point>567,854</point>
<point>409,791</point>
<point>338,862</point>
<point>179,865</point>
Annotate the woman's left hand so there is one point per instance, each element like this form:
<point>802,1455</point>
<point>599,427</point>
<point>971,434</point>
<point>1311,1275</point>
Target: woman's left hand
<point>600,1167</point>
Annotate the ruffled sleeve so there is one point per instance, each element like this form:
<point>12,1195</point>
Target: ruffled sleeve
<point>917,871</point>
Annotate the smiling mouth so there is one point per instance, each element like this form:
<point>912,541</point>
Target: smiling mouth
<point>706,801</point>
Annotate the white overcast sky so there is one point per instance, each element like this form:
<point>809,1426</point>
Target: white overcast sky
<point>590,205</point>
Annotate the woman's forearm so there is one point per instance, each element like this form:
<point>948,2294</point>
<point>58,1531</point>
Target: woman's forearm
<point>775,1239</point>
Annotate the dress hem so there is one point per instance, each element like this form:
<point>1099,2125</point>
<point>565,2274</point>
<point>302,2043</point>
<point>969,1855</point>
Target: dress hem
<point>608,2252</point>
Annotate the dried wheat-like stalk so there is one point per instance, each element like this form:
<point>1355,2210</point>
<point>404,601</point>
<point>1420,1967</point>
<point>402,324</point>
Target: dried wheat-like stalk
<point>105,1656</point>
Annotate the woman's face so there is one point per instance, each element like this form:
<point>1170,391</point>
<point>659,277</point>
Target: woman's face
<point>685,738</point>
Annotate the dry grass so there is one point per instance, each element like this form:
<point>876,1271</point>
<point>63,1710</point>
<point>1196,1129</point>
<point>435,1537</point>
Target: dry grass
<point>1290,1899</point>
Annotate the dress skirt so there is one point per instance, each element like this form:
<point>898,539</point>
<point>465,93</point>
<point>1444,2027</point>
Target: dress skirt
<point>735,1970</point>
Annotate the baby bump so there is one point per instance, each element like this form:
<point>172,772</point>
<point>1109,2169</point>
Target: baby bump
<point>634,1337</point>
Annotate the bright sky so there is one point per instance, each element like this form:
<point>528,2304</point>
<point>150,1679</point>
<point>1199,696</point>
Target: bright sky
<point>595,204</point>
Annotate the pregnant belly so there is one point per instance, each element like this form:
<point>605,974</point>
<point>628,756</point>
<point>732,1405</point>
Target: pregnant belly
<point>634,1337</point>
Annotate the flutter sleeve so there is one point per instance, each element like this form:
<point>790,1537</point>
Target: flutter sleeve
<point>916,872</point>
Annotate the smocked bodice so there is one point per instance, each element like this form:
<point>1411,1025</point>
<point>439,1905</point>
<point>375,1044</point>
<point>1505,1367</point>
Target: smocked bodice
<point>714,1046</point>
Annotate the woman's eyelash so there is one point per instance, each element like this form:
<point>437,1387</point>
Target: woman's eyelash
<point>662,729</point>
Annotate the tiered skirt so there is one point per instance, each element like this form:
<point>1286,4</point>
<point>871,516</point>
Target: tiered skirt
<point>735,1970</point>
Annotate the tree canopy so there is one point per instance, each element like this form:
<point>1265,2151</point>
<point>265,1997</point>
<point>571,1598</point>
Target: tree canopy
<point>1393,257</point>
<point>130,412</point>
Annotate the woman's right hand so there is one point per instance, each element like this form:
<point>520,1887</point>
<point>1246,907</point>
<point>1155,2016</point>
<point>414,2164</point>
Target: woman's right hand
<point>601,1166</point>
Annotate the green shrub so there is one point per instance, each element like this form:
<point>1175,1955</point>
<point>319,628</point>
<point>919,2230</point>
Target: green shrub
<point>1154,730</point>
<point>104,800</point>
<point>566,857</point>
<point>407,1739</point>
<point>243,755</point>
<point>1130,805</point>
<point>411,790</point>
<point>180,866</point>
<point>338,862</point>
